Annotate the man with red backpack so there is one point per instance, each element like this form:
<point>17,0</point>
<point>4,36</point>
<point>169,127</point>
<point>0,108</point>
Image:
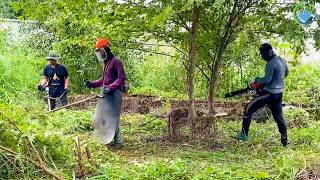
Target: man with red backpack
<point>106,120</point>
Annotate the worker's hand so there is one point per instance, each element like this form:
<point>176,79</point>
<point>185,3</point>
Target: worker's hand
<point>89,84</point>
<point>41,88</point>
<point>66,90</point>
<point>105,90</point>
<point>256,85</point>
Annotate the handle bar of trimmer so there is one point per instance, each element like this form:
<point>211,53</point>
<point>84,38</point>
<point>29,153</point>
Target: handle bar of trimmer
<point>78,102</point>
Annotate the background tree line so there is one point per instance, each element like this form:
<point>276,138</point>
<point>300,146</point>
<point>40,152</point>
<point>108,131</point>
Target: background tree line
<point>213,43</point>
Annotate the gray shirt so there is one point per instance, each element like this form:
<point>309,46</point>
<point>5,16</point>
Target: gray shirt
<point>275,72</point>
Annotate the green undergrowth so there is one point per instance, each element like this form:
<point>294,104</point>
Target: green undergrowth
<point>147,155</point>
<point>303,85</point>
<point>151,91</point>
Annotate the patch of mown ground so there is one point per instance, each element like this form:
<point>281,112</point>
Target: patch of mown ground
<point>147,153</point>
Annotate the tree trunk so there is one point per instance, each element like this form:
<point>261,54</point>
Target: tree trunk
<point>212,92</point>
<point>214,77</point>
<point>233,22</point>
<point>224,41</point>
<point>192,61</point>
<point>212,87</point>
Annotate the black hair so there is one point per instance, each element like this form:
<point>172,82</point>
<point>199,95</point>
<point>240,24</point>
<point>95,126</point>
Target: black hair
<point>109,53</point>
<point>265,47</point>
<point>266,51</point>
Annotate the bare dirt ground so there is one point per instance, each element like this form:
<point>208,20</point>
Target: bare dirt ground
<point>157,106</point>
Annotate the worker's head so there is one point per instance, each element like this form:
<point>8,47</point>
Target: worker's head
<point>266,51</point>
<point>53,58</point>
<point>103,51</point>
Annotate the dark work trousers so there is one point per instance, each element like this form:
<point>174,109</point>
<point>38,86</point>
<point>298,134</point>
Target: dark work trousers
<point>117,101</point>
<point>274,101</point>
<point>57,93</point>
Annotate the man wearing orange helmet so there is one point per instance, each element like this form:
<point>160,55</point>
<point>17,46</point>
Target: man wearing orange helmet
<point>106,119</point>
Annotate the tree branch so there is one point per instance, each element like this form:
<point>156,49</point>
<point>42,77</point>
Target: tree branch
<point>32,161</point>
<point>145,50</point>
<point>203,73</point>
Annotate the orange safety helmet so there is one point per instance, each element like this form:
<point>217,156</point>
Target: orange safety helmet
<point>102,42</point>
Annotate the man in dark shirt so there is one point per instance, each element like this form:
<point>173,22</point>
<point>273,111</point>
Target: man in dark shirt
<point>106,119</point>
<point>56,78</point>
<point>273,82</point>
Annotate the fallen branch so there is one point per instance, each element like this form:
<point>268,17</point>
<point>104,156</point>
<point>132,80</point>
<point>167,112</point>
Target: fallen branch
<point>8,150</point>
<point>33,162</point>
<point>78,154</point>
<point>41,165</point>
<point>34,149</point>
<point>304,167</point>
<point>37,153</point>
<point>89,156</point>
<point>11,162</point>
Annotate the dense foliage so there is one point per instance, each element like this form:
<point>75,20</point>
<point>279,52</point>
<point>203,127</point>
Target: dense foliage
<point>152,40</point>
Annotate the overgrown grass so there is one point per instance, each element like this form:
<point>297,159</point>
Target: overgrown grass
<point>19,73</point>
<point>145,155</point>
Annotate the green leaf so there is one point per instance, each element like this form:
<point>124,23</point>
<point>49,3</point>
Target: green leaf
<point>162,17</point>
<point>262,175</point>
<point>316,38</point>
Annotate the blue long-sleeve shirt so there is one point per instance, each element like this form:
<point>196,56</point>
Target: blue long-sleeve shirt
<point>275,72</point>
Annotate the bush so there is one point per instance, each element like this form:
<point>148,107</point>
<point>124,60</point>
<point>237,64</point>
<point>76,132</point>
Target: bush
<point>302,85</point>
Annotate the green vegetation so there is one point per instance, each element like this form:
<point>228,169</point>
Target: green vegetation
<point>145,156</point>
<point>156,62</point>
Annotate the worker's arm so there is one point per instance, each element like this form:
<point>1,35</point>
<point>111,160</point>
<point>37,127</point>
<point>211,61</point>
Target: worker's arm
<point>66,82</point>
<point>66,78</point>
<point>97,83</point>
<point>268,75</point>
<point>44,81</point>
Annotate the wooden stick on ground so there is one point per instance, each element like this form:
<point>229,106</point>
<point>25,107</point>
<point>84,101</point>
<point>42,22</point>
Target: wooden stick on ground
<point>41,165</point>
<point>92,161</point>
<point>34,149</point>
<point>46,170</point>
<point>8,150</point>
<point>78,153</point>
<point>37,153</point>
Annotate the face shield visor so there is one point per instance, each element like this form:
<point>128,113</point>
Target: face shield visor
<point>101,54</point>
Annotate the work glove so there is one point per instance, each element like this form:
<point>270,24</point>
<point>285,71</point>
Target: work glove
<point>41,88</point>
<point>89,84</point>
<point>256,86</point>
<point>105,90</point>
